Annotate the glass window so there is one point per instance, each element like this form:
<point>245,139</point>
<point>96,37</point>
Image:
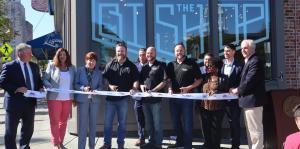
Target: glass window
<point>246,19</point>
<point>114,21</point>
<point>181,21</point>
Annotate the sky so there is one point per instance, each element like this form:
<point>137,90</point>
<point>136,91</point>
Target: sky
<point>42,22</point>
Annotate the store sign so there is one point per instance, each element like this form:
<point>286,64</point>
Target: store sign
<point>116,21</point>
<point>176,22</point>
<point>241,20</point>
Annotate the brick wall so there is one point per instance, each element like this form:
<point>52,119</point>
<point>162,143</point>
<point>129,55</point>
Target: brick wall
<point>292,42</point>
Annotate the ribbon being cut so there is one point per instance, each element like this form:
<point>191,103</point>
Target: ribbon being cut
<point>192,96</point>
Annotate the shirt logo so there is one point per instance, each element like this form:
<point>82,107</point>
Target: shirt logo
<point>125,70</point>
<point>184,69</point>
<point>154,68</point>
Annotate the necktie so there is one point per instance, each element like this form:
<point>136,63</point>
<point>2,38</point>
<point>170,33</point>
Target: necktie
<point>27,77</point>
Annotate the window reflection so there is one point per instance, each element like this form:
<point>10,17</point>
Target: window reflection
<point>181,21</point>
<point>114,21</point>
<point>242,19</point>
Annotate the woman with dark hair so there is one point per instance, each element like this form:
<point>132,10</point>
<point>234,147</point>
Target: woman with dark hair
<point>59,74</point>
<point>88,79</point>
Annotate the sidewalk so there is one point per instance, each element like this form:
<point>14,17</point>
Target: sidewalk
<point>41,135</point>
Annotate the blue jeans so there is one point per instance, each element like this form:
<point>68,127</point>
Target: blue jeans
<point>182,108</point>
<point>140,118</point>
<point>111,107</point>
<point>153,120</point>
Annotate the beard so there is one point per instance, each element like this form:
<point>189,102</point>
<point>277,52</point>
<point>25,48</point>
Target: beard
<point>151,59</point>
<point>121,57</point>
<point>180,57</point>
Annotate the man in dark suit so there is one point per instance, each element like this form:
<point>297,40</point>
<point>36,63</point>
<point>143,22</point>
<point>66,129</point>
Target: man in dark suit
<point>230,78</point>
<point>16,78</point>
<point>252,94</point>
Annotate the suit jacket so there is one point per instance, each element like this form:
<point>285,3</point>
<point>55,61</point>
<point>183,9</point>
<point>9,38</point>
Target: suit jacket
<point>51,79</point>
<point>233,80</point>
<point>82,80</point>
<point>252,89</point>
<point>12,78</point>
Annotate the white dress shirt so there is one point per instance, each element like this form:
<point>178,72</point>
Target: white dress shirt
<point>29,71</point>
<point>228,67</point>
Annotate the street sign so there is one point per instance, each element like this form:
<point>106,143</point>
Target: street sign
<point>6,58</point>
<point>6,49</point>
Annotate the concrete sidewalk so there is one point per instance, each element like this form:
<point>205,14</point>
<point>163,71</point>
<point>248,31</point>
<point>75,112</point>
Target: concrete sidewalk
<point>41,136</point>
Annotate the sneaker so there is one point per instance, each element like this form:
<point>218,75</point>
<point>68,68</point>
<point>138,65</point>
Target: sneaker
<point>139,142</point>
<point>175,145</point>
<point>105,147</point>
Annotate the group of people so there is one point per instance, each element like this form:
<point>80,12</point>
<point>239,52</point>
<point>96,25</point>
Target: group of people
<point>182,75</point>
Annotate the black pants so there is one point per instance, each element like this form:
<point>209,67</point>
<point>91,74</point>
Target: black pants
<point>233,112</point>
<point>212,128</point>
<point>140,118</point>
<point>12,119</point>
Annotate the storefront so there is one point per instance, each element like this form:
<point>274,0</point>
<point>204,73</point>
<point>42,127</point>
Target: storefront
<point>163,23</point>
<point>202,25</point>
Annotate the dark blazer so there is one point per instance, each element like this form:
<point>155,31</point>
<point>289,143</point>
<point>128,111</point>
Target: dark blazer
<point>233,80</point>
<point>252,89</point>
<point>12,78</point>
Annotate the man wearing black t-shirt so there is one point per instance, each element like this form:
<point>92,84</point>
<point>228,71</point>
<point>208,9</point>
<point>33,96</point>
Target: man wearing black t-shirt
<point>122,75</point>
<point>153,79</point>
<point>184,76</point>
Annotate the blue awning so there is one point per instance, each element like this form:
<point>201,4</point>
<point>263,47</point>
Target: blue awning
<point>44,48</point>
<point>49,41</point>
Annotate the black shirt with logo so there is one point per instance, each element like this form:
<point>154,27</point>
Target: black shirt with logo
<point>151,76</point>
<point>183,74</point>
<point>122,76</point>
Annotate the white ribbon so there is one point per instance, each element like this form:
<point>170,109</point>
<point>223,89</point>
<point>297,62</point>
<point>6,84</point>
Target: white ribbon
<point>192,96</point>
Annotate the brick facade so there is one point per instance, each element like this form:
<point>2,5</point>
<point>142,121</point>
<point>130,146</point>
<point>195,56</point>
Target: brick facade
<point>292,42</point>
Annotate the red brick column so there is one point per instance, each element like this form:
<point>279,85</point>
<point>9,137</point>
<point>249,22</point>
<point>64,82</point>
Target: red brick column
<point>292,42</point>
